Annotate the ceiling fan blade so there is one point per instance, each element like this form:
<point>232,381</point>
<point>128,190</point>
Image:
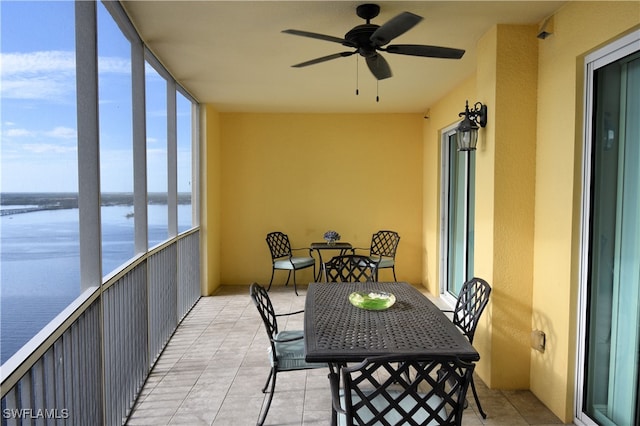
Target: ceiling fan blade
<point>323,59</point>
<point>379,67</point>
<point>426,51</point>
<point>319,37</point>
<point>394,27</point>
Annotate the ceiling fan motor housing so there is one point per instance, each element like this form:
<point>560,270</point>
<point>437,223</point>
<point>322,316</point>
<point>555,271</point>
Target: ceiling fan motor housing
<point>360,37</point>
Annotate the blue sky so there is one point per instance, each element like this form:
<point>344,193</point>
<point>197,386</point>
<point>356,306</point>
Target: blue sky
<point>38,151</point>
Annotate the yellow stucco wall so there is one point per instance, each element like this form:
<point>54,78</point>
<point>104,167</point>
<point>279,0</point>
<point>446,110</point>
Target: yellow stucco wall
<point>505,197</point>
<point>304,174</point>
<point>579,27</point>
<point>505,81</point>
<point>210,199</point>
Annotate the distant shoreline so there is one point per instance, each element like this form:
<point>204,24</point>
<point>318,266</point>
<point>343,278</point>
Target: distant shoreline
<point>27,202</point>
<point>69,200</point>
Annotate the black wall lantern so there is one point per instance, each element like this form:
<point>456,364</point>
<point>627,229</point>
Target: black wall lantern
<point>467,131</point>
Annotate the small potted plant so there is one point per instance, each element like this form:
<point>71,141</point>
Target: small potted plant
<point>331,237</point>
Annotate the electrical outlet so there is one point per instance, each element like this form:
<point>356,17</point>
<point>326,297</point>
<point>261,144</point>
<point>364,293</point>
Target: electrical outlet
<point>538,340</point>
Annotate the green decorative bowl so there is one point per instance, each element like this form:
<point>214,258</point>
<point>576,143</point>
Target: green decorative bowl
<point>372,300</point>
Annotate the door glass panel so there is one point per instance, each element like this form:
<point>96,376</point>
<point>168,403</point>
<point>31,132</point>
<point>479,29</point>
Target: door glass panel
<point>613,318</point>
<point>460,217</point>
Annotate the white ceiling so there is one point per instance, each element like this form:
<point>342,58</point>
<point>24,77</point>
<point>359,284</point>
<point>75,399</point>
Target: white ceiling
<point>233,55</point>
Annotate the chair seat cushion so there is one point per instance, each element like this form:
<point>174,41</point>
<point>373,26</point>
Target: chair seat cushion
<point>294,263</point>
<point>394,416</point>
<point>290,355</point>
<point>385,262</point>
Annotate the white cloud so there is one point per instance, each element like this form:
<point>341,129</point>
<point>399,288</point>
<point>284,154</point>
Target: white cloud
<point>46,148</point>
<point>38,75</point>
<point>47,74</point>
<point>37,87</point>
<point>62,133</point>
<point>32,63</point>
<point>114,64</point>
<point>18,133</point>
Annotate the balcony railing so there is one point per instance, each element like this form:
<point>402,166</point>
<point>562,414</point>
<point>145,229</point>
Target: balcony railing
<point>89,364</point>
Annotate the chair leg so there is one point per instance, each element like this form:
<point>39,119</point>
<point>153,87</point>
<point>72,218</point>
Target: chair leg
<point>273,271</point>
<point>272,379</point>
<point>289,277</point>
<point>393,268</point>
<point>264,388</point>
<point>295,285</point>
<point>475,396</point>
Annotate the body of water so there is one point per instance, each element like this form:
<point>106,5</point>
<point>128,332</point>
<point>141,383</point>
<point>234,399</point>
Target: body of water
<point>40,263</point>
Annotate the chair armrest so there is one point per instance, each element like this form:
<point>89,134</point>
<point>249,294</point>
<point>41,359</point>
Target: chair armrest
<point>362,249</point>
<point>303,248</point>
<point>290,313</point>
<point>452,313</point>
<point>291,339</point>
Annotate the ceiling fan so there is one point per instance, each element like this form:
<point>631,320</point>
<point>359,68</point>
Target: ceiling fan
<point>368,40</point>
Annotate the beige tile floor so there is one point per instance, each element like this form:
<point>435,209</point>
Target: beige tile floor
<point>213,369</point>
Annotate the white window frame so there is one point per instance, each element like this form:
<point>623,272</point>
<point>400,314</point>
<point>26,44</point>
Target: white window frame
<point>612,52</point>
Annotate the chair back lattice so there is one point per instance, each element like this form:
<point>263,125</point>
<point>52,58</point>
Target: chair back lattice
<point>472,300</point>
<point>393,391</point>
<point>350,268</point>
<point>262,301</point>
<point>279,245</point>
<point>385,243</point>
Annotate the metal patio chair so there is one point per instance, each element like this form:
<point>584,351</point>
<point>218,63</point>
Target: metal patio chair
<point>287,346</point>
<point>350,268</point>
<point>383,250</point>
<point>472,300</point>
<point>282,258</point>
<point>391,390</point>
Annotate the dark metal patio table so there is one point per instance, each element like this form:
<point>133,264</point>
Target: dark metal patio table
<point>343,248</point>
<point>337,332</point>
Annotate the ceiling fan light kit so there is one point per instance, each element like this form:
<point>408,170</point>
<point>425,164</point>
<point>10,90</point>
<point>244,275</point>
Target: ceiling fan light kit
<point>369,40</point>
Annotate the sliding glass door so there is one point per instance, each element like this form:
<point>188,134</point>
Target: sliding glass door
<point>611,259</point>
<point>458,215</point>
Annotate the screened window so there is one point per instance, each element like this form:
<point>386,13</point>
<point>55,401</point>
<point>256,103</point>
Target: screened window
<point>40,225</point>
<point>116,142</point>
<point>185,139</point>
<point>39,255</point>
<point>157,177</point>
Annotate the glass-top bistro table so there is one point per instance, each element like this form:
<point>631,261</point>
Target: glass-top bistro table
<point>342,248</point>
<point>337,332</point>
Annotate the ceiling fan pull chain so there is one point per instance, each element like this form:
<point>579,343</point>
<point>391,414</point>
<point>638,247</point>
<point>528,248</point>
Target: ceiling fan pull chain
<point>357,77</point>
<point>377,90</point>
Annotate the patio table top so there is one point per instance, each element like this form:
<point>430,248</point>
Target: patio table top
<point>337,331</point>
